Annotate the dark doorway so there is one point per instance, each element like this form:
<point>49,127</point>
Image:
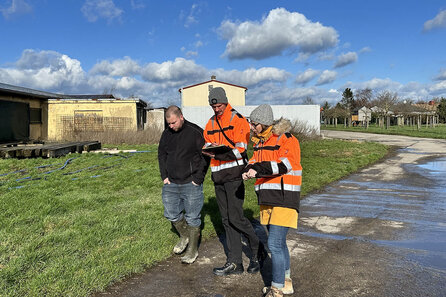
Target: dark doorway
<point>14,121</point>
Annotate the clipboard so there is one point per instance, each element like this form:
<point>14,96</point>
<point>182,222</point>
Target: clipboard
<point>217,149</point>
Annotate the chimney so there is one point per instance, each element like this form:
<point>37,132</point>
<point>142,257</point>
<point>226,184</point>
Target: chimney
<point>213,77</point>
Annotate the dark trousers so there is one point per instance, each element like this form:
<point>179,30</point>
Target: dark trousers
<point>230,197</point>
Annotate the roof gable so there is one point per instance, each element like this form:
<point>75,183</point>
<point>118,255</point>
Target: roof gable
<point>212,80</point>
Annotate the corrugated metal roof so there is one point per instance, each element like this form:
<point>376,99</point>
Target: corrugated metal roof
<point>16,90</point>
<point>10,89</point>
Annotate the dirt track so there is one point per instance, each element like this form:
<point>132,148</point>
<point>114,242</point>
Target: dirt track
<point>379,232</point>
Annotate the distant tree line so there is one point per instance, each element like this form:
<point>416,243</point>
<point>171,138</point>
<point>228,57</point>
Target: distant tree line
<point>384,108</point>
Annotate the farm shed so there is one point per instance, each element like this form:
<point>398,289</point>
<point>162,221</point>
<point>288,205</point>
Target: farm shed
<point>197,95</point>
<point>30,115</point>
<point>23,113</point>
<point>70,116</point>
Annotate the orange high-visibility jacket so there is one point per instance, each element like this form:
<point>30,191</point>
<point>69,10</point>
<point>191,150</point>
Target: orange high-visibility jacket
<point>228,166</point>
<point>279,172</point>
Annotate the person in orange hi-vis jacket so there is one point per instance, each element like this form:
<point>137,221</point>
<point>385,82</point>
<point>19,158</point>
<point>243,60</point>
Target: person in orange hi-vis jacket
<point>229,128</point>
<point>276,166</point>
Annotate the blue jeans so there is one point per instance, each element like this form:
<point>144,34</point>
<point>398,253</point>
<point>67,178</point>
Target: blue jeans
<point>183,197</point>
<point>280,256</point>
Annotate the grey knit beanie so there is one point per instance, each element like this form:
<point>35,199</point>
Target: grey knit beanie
<point>217,95</point>
<point>262,114</point>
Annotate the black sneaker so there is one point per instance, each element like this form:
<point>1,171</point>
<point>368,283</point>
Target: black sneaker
<point>228,268</point>
<point>254,265</point>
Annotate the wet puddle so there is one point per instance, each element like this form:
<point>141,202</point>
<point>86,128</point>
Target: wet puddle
<point>409,214</point>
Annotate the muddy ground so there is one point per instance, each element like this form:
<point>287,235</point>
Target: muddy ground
<point>378,232</point>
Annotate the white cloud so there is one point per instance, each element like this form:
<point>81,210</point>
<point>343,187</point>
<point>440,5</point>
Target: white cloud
<point>326,77</point>
<point>272,93</point>
<point>346,59</point>
<point>17,7</point>
<point>137,4</point>
<point>365,49</point>
<point>191,18</point>
<point>441,75</point>
<point>179,70</point>
<point>159,82</point>
<point>198,44</point>
<point>120,67</point>
<point>191,54</point>
<point>376,84</point>
<point>44,70</point>
<point>306,76</point>
<point>105,9</point>
<point>251,77</point>
<point>438,88</point>
<point>325,57</point>
<point>278,32</point>
<point>439,21</point>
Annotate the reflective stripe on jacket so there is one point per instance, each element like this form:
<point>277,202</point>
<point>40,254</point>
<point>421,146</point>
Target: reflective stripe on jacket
<point>228,167</point>
<point>279,156</point>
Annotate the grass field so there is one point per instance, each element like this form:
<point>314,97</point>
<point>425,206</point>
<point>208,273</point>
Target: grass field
<point>73,225</point>
<point>426,132</point>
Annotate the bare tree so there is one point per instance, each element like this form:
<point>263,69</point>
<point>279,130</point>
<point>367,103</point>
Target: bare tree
<point>308,101</point>
<point>109,91</point>
<point>385,102</point>
<point>337,112</point>
<point>363,98</point>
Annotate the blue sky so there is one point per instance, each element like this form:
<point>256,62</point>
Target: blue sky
<point>284,52</point>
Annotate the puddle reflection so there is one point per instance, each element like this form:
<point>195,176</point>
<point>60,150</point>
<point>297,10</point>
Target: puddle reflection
<point>419,205</point>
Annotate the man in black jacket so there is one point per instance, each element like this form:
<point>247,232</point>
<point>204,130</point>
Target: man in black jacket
<point>183,168</point>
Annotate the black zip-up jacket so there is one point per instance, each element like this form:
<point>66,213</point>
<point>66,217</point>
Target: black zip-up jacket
<point>179,155</point>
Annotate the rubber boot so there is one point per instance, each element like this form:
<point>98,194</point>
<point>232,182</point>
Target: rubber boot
<point>181,227</point>
<point>192,248</point>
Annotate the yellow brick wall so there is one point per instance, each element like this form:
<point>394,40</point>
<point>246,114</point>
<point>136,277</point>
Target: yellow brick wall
<point>198,95</point>
<point>68,117</point>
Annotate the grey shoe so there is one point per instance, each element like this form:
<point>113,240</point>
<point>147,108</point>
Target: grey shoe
<point>181,227</point>
<point>192,249</point>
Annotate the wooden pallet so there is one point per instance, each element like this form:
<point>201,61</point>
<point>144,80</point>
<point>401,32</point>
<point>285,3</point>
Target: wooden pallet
<point>52,150</point>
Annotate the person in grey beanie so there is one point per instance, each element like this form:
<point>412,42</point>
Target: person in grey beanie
<point>276,166</point>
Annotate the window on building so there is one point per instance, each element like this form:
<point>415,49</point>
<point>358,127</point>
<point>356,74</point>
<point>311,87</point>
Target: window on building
<point>35,115</point>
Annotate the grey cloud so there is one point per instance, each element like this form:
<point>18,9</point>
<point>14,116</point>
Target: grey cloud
<point>438,89</point>
<point>439,21</point>
<point>278,32</point>
<point>306,76</point>
<point>346,59</point>
<point>34,60</point>
<point>326,77</point>
<point>441,75</point>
